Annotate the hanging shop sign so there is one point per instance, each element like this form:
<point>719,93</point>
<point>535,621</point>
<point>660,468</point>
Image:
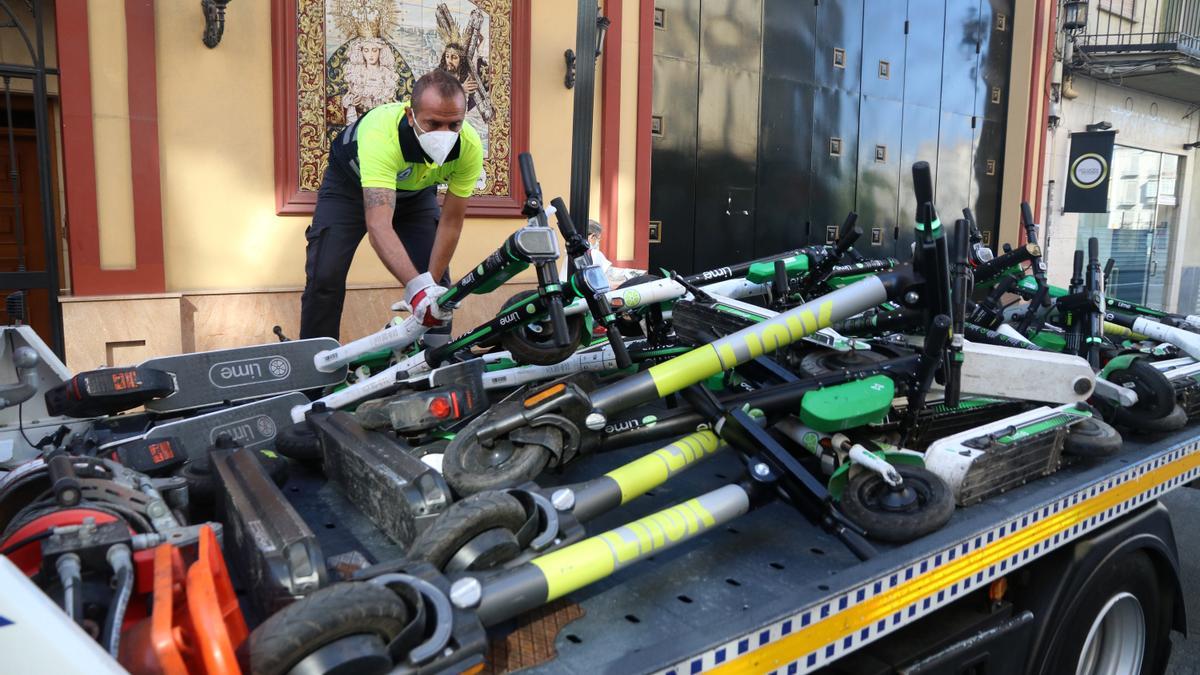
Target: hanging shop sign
<point>1088,172</point>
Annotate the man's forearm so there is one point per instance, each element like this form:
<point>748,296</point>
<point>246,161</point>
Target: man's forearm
<point>444,244</point>
<point>379,204</point>
<point>449,228</point>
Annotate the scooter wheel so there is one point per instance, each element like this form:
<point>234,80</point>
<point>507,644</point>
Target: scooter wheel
<point>1092,438</point>
<point>534,343</point>
<point>464,521</point>
<point>1173,421</point>
<point>1156,396</point>
<point>922,504</point>
<point>299,442</point>
<point>333,613</point>
<point>470,467</point>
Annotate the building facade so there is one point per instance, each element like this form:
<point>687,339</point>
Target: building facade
<point>1133,69</point>
<point>182,173</point>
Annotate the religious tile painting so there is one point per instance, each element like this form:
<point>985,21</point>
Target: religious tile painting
<point>353,55</point>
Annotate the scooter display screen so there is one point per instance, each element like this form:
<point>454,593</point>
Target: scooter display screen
<point>594,279</point>
<point>538,242</point>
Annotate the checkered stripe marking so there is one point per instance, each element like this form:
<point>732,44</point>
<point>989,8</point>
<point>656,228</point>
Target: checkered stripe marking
<point>1011,530</point>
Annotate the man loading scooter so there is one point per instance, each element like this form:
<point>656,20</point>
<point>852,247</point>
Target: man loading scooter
<point>382,181</point>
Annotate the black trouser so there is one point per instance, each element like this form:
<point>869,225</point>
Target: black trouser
<point>338,226</point>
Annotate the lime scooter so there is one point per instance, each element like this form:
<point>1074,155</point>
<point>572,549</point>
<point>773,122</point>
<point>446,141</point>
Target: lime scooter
<point>516,439</point>
<point>424,399</point>
<point>485,599</point>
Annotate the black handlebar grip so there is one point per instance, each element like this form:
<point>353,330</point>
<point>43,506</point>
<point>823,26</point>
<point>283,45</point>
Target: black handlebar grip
<point>1093,251</point>
<point>558,320</point>
<point>961,241</point>
<point>63,481</point>
<point>1026,215</point>
<point>565,225</point>
<point>780,281</point>
<point>528,177</point>
<point>849,234</point>
<point>1109,266</point>
<point>1077,264</point>
<point>618,346</point>
<point>970,218</point>
<point>922,183</point>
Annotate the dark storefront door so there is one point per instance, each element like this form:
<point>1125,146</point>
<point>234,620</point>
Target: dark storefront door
<point>773,121</point>
<point>29,237</point>
<point>22,246</point>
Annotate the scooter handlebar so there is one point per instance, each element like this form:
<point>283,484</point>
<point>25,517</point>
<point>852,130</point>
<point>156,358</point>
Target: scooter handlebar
<point>558,320</point>
<point>849,234</point>
<point>1094,251</point>
<point>566,226</point>
<point>528,176</point>
<point>922,183</point>
<point>618,346</point>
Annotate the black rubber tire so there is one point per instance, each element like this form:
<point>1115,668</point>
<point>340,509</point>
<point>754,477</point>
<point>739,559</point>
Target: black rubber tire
<point>434,447</point>
<point>935,505</point>
<point>467,472</point>
<point>1092,437</point>
<point>1131,573</point>
<point>464,521</point>
<point>493,340</point>
<point>299,442</point>
<point>1156,395</point>
<point>538,348</point>
<point>277,466</point>
<point>1173,421</point>
<point>334,612</point>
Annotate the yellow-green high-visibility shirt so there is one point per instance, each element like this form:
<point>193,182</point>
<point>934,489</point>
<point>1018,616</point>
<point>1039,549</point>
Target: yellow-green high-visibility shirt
<point>390,156</point>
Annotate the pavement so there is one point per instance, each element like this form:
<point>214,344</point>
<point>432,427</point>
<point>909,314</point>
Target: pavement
<point>1184,506</point>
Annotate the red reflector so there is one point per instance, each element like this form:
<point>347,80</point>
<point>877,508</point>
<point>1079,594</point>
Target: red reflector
<point>439,407</point>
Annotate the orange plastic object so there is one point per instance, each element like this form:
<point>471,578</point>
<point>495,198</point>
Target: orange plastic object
<point>213,607</point>
<point>156,645</point>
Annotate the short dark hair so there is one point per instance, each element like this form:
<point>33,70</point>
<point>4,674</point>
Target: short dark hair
<point>444,82</point>
<point>594,228</point>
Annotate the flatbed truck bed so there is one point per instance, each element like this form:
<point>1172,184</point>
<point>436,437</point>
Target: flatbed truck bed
<point>772,592</point>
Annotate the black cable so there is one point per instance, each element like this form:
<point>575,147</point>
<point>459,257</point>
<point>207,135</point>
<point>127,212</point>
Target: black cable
<point>7,550</point>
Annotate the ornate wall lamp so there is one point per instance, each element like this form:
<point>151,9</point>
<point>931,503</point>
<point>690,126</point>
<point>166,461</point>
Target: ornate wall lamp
<point>214,21</point>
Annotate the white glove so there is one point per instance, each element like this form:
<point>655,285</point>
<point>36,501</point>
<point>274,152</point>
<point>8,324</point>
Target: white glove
<point>421,294</point>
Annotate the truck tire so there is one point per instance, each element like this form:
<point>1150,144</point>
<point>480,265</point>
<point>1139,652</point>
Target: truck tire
<point>1119,622</point>
<point>332,613</point>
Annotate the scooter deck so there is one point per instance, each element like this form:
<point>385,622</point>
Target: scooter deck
<point>251,425</point>
<point>242,373</point>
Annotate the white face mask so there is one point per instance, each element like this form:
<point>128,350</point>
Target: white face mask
<point>436,144</point>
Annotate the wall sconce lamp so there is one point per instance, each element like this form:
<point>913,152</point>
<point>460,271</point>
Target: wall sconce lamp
<point>1189,146</point>
<point>1075,15</point>
<point>602,24</point>
<point>214,21</point>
